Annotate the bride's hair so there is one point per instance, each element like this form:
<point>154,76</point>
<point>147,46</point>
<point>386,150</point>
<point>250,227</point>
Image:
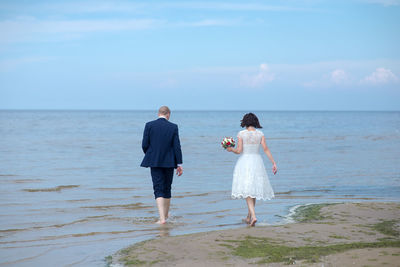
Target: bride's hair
<point>250,119</point>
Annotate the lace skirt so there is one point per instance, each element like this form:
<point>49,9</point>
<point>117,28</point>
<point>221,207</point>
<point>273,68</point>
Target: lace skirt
<point>250,178</point>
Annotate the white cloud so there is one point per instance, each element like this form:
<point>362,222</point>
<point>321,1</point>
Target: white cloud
<point>147,7</point>
<point>380,76</point>
<point>336,77</point>
<point>24,29</point>
<point>32,29</point>
<point>339,76</point>
<point>70,26</point>
<point>263,77</point>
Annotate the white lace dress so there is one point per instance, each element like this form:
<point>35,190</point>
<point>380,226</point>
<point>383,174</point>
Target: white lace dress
<point>250,178</point>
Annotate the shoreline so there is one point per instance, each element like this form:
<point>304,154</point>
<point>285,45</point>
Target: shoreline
<point>335,234</point>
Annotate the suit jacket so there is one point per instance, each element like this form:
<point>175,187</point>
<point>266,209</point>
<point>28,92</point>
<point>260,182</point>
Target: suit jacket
<point>161,144</point>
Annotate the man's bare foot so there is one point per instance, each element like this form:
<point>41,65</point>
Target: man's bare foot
<point>161,222</point>
<point>253,222</point>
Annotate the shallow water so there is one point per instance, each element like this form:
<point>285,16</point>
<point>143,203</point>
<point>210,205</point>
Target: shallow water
<point>71,191</point>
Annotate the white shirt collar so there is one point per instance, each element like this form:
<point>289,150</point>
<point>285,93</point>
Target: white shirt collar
<point>162,116</point>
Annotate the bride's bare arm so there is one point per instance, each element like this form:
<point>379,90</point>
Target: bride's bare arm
<point>269,155</point>
<point>239,147</point>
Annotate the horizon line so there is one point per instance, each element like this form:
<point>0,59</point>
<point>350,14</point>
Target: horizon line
<point>214,110</point>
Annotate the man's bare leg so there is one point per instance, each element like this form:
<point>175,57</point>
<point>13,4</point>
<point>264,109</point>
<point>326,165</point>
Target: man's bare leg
<point>167,202</point>
<point>161,209</point>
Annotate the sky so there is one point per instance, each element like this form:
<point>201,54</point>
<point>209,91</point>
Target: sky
<point>200,55</point>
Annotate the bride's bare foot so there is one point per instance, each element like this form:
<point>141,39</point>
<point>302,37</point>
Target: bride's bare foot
<point>246,220</point>
<point>161,222</point>
<point>253,222</point>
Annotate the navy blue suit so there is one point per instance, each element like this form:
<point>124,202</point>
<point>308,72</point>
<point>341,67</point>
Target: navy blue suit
<point>163,153</point>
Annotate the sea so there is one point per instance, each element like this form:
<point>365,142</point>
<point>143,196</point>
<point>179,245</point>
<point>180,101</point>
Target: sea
<point>72,191</point>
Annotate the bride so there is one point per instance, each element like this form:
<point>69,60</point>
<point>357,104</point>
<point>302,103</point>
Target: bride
<point>250,179</point>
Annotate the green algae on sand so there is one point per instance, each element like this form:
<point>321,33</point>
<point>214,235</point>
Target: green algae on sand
<point>310,212</point>
<point>268,251</point>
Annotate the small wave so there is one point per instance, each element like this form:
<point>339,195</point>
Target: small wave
<point>99,233</point>
<point>264,224</point>
<point>133,206</point>
<point>84,220</point>
<point>174,219</point>
<point>301,191</point>
<point>208,212</point>
<point>380,137</point>
<point>192,195</point>
<point>79,200</point>
<point>298,197</point>
<point>292,211</point>
<point>289,217</point>
<point>28,258</point>
<point>12,230</point>
<point>115,188</point>
<point>144,220</point>
<point>22,181</point>
<point>58,237</point>
<point>355,198</point>
<point>52,189</point>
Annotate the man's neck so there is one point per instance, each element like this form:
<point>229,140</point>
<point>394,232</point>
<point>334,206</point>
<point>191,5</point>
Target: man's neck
<point>162,116</point>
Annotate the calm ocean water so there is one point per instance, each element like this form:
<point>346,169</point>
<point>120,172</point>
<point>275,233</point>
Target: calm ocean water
<point>72,191</point>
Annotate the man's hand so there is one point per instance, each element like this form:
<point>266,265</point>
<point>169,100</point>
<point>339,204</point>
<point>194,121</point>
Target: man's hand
<point>179,170</point>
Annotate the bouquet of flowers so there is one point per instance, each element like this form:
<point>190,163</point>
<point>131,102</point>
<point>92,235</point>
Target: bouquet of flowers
<point>228,142</point>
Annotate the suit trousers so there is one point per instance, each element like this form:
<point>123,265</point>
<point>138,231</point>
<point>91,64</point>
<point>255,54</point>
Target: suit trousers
<point>162,181</point>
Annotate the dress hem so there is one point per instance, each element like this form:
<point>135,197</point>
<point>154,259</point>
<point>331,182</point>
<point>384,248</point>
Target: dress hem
<point>239,196</point>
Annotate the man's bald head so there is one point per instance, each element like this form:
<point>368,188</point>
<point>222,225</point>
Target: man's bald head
<point>164,111</point>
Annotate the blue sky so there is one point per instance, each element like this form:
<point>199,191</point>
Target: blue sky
<point>219,55</point>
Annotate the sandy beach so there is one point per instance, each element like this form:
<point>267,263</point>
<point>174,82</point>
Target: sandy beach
<point>345,234</point>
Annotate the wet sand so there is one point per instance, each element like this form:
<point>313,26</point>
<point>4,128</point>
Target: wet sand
<point>346,234</point>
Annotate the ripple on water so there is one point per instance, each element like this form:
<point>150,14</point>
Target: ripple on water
<point>22,181</point>
<point>192,195</point>
<point>115,188</point>
<point>51,189</point>
<point>83,220</point>
<point>131,206</point>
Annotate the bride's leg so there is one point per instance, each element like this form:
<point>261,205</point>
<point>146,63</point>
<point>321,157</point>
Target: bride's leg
<point>247,219</point>
<point>250,204</point>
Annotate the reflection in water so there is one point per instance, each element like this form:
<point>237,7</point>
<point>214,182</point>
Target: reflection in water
<point>164,230</point>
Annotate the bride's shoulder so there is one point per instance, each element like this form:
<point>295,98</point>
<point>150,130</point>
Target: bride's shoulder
<point>259,132</point>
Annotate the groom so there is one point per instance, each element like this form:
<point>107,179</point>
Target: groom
<point>163,153</point>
